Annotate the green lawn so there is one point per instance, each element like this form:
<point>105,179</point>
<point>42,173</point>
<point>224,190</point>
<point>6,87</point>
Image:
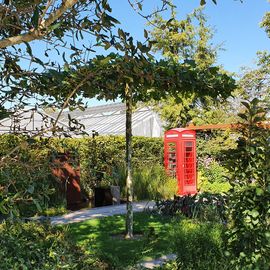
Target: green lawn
<point>98,236</point>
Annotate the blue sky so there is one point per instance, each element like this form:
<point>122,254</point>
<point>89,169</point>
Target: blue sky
<point>236,26</point>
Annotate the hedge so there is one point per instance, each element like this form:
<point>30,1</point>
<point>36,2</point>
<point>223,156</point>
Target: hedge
<point>25,177</point>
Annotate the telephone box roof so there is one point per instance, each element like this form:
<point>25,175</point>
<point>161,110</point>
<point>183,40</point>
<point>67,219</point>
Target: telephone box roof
<point>180,130</point>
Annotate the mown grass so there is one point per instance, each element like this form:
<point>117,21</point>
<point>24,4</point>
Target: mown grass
<point>100,237</point>
<point>197,244</point>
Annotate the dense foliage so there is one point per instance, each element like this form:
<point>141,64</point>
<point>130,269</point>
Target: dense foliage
<point>26,184</point>
<point>41,247</point>
<point>199,246</point>
<point>203,207</point>
<point>248,238</point>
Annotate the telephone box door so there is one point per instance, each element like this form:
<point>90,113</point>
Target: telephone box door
<point>171,158</point>
<point>188,172</point>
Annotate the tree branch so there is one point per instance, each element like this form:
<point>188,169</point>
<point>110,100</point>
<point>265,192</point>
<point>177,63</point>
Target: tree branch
<point>49,3</point>
<point>87,77</point>
<point>42,29</point>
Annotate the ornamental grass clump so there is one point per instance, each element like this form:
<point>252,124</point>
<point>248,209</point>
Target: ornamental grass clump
<point>199,245</point>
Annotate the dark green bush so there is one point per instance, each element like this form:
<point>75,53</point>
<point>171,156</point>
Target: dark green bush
<point>248,237</point>
<point>41,247</point>
<point>248,234</point>
<point>26,184</point>
<point>202,206</point>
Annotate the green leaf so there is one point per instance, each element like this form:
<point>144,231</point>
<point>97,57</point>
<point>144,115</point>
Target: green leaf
<point>242,254</point>
<point>37,60</point>
<point>121,33</point>
<point>255,221</point>
<point>107,45</point>
<point>246,104</point>
<point>28,49</point>
<point>145,33</point>
<point>203,2</point>
<point>112,19</point>
<point>169,21</point>
<point>252,150</point>
<point>31,189</point>
<point>35,18</point>
<point>259,191</point>
<point>37,204</point>
<point>243,116</point>
<point>55,26</point>
<point>254,213</point>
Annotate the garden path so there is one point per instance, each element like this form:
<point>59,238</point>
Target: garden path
<point>152,264</point>
<point>99,212</point>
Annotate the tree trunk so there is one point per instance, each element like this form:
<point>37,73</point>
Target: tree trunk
<point>129,185</point>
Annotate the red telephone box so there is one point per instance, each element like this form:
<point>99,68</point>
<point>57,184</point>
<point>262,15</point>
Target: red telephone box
<point>180,158</point>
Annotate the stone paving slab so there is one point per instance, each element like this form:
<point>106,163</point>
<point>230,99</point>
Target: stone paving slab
<point>99,212</point>
<point>151,264</point>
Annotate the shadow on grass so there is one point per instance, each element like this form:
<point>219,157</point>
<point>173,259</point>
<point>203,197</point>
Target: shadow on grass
<point>96,235</point>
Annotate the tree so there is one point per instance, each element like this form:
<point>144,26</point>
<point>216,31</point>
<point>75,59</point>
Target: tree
<point>248,238</point>
<point>266,23</point>
<point>255,82</point>
<point>58,27</point>
<point>185,40</point>
<point>132,76</point>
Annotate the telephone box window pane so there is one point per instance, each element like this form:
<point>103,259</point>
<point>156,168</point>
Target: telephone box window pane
<point>172,159</point>
<point>189,164</point>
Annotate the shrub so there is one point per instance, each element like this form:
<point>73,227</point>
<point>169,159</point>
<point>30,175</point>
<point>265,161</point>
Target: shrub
<point>199,246</point>
<point>153,183</point>
<point>204,207</point>
<point>216,187</point>
<point>213,177</point>
<point>213,171</point>
<point>102,159</point>
<point>167,189</point>
<point>41,247</point>
<point>248,237</point>
<point>26,184</point>
<point>248,234</point>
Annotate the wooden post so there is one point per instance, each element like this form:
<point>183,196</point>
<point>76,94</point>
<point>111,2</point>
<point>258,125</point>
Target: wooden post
<point>129,185</point>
